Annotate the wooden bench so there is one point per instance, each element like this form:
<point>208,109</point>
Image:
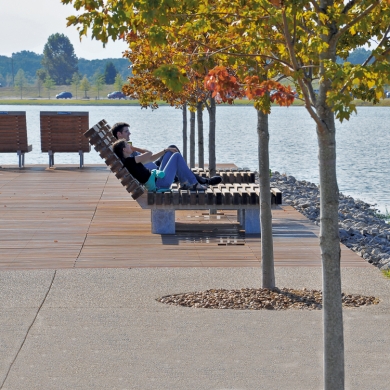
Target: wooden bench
<point>13,134</point>
<point>243,197</point>
<point>62,132</point>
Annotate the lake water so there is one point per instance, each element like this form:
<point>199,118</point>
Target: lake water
<point>362,143</point>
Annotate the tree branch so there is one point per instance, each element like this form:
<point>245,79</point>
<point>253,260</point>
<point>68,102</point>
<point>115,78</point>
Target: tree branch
<point>348,6</point>
<point>368,59</point>
<point>316,6</point>
<point>208,15</point>
<point>301,83</point>
<point>385,37</point>
<point>295,28</point>
<point>223,51</point>
<point>354,21</point>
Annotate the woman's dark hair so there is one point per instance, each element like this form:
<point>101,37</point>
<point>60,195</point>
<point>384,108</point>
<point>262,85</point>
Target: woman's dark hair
<point>118,147</point>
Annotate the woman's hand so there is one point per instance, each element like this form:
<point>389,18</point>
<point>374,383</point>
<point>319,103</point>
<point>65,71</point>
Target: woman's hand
<point>159,154</point>
<point>173,150</point>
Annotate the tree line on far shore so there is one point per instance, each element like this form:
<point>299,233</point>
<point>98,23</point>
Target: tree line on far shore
<point>30,62</point>
<point>58,65</point>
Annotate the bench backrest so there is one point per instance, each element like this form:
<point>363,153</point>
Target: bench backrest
<point>101,138</point>
<point>63,131</point>
<point>13,132</point>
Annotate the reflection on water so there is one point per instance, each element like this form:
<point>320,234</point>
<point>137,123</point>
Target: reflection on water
<point>362,143</point>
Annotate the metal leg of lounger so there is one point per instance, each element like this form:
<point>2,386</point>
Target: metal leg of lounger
<point>252,221</point>
<point>241,217</point>
<point>51,158</point>
<point>20,155</point>
<point>81,153</point>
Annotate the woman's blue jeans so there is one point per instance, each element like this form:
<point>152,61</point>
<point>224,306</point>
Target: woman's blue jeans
<point>173,164</point>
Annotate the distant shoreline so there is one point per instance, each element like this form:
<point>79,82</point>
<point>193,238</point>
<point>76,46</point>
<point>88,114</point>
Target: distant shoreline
<point>67,102</point>
<point>105,102</point>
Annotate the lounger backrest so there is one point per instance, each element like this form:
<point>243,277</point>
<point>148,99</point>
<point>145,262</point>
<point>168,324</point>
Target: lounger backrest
<point>63,131</point>
<point>13,132</point>
<point>101,138</point>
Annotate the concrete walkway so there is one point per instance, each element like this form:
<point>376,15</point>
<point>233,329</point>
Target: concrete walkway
<point>103,329</point>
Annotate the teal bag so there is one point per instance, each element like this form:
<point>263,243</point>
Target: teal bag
<point>151,183</point>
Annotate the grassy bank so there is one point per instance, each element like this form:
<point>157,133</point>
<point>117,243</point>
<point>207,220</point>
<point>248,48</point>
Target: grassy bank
<point>32,96</point>
<point>103,101</point>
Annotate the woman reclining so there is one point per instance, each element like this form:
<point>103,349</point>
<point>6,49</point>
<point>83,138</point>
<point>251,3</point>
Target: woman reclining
<point>172,165</point>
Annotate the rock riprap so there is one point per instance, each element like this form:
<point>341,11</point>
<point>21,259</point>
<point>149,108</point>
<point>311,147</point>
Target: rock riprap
<point>261,298</point>
<point>360,227</point>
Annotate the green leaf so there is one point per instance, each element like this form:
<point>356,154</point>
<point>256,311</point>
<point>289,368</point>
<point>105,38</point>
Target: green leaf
<point>171,76</point>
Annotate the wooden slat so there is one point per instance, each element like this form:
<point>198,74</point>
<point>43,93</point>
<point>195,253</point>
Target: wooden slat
<point>193,198</point>
<point>175,197</point>
<point>185,196</point>
<point>277,194</point>
<point>151,198</point>
<point>168,198</point>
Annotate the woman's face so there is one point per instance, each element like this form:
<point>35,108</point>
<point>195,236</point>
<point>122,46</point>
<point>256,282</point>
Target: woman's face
<point>127,150</point>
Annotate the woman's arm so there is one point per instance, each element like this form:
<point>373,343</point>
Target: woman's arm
<point>152,157</point>
<point>144,157</point>
<point>135,149</point>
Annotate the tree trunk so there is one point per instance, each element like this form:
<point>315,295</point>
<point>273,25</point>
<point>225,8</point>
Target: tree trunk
<point>199,112</point>
<point>212,159</point>
<point>184,151</point>
<point>330,254</point>
<point>267,248</point>
<point>329,232</point>
<point>192,139</point>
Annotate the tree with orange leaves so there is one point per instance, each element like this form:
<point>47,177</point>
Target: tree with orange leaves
<point>157,76</point>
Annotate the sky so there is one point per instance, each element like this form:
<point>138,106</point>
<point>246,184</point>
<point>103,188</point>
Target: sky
<point>27,24</point>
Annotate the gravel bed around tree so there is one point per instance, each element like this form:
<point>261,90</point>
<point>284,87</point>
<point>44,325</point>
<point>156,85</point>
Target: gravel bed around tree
<point>262,298</point>
<point>361,227</point>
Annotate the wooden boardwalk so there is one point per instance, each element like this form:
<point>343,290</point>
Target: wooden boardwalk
<point>66,217</point>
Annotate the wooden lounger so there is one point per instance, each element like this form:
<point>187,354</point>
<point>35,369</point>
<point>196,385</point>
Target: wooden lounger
<point>13,134</point>
<point>62,132</point>
<point>243,197</point>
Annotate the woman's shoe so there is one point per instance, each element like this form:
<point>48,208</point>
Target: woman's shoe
<point>214,180</point>
<point>198,187</point>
